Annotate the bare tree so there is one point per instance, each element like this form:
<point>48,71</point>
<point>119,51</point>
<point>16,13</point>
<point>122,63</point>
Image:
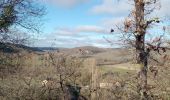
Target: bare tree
<point>67,71</point>
<point>134,33</point>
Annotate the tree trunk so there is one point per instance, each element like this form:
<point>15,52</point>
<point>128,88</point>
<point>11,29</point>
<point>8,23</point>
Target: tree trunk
<point>142,61</point>
<point>140,48</point>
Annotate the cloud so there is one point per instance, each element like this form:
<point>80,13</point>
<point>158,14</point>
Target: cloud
<point>164,10</point>
<point>111,22</point>
<point>120,11</point>
<point>93,29</point>
<point>81,29</point>
<point>83,35</point>
<point>72,41</point>
<point>88,35</point>
<point>123,8</point>
<point>114,7</point>
<point>65,3</point>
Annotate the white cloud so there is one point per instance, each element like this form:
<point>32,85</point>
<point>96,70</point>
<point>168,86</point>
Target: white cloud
<point>94,29</point>
<point>117,8</point>
<point>65,3</point>
<point>75,37</point>
<point>121,9</point>
<point>111,22</point>
<point>72,41</point>
<point>81,29</point>
<point>164,10</point>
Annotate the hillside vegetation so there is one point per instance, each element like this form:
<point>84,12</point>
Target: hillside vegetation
<point>103,73</point>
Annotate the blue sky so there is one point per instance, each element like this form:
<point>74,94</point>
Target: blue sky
<point>74,23</point>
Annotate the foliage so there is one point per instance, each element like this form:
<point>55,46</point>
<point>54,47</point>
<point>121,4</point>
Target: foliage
<point>19,16</point>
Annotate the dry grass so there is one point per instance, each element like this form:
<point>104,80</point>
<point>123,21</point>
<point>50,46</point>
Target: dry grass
<point>26,82</point>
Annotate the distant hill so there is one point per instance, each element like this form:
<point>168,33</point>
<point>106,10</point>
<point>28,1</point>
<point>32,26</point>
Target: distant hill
<point>92,49</point>
<point>76,51</point>
<point>11,48</point>
<point>45,48</point>
<point>102,55</point>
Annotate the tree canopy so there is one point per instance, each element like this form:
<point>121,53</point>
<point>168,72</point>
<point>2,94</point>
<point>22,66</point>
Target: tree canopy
<point>20,15</point>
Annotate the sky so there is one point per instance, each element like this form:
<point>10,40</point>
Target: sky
<point>75,23</point>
